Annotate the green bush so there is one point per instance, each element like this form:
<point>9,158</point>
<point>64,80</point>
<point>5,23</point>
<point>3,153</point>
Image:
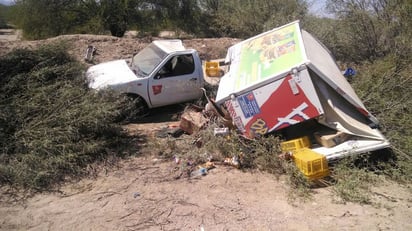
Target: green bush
<point>353,184</point>
<point>51,125</point>
<point>385,87</point>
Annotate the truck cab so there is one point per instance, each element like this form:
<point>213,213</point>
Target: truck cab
<point>163,73</point>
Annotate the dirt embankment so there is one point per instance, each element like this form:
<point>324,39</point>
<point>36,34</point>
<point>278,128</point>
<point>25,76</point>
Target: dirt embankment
<point>141,193</point>
<point>111,48</point>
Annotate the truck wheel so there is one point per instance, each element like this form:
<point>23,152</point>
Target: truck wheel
<point>142,110</point>
<point>133,107</point>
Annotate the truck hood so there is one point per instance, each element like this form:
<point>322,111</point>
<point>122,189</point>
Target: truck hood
<point>109,74</point>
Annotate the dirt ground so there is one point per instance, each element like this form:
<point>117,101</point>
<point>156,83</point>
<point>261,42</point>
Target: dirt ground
<point>142,193</point>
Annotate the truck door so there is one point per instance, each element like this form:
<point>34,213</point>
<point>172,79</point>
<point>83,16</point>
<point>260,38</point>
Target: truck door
<point>177,81</point>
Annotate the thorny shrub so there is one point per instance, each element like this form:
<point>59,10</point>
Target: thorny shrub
<point>51,125</point>
<point>385,86</point>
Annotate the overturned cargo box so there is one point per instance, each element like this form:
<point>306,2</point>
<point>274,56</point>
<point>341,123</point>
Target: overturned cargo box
<point>286,81</point>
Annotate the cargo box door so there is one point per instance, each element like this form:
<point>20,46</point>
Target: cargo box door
<point>277,105</point>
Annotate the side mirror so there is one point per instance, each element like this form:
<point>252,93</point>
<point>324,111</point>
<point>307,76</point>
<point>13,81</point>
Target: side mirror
<point>162,73</point>
<point>158,76</point>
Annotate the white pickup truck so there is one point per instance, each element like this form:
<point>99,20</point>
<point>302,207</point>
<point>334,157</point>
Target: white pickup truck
<point>163,73</point>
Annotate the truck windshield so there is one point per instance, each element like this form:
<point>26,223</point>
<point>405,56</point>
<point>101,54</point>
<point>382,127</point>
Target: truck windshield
<point>147,59</point>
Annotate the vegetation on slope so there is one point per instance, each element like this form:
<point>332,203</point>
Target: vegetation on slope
<point>51,125</point>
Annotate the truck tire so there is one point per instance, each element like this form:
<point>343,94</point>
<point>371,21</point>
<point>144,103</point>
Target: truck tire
<point>133,107</point>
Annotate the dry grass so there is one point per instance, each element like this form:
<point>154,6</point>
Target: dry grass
<point>51,125</point>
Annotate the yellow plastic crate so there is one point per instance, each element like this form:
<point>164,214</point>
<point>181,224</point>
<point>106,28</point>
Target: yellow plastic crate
<point>212,69</point>
<point>312,164</point>
<point>295,144</point>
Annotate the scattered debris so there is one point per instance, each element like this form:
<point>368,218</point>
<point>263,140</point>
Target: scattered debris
<point>177,160</point>
<point>136,194</point>
<point>90,52</point>
<point>234,161</point>
<point>208,165</point>
<point>198,142</point>
<point>192,121</point>
<point>221,131</point>
<point>285,155</point>
<point>349,72</point>
<point>198,173</point>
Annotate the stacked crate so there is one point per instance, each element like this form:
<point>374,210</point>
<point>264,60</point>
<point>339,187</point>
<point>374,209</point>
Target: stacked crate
<point>312,164</point>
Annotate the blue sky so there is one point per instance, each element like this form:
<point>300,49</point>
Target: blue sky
<point>6,2</point>
<point>317,7</point>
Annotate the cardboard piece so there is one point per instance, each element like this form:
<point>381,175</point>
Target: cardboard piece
<point>330,139</point>
<point>192,121</point>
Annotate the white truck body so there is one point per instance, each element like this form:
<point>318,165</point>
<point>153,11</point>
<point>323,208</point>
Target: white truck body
<point>164,73</point>
<point>285,81</point>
